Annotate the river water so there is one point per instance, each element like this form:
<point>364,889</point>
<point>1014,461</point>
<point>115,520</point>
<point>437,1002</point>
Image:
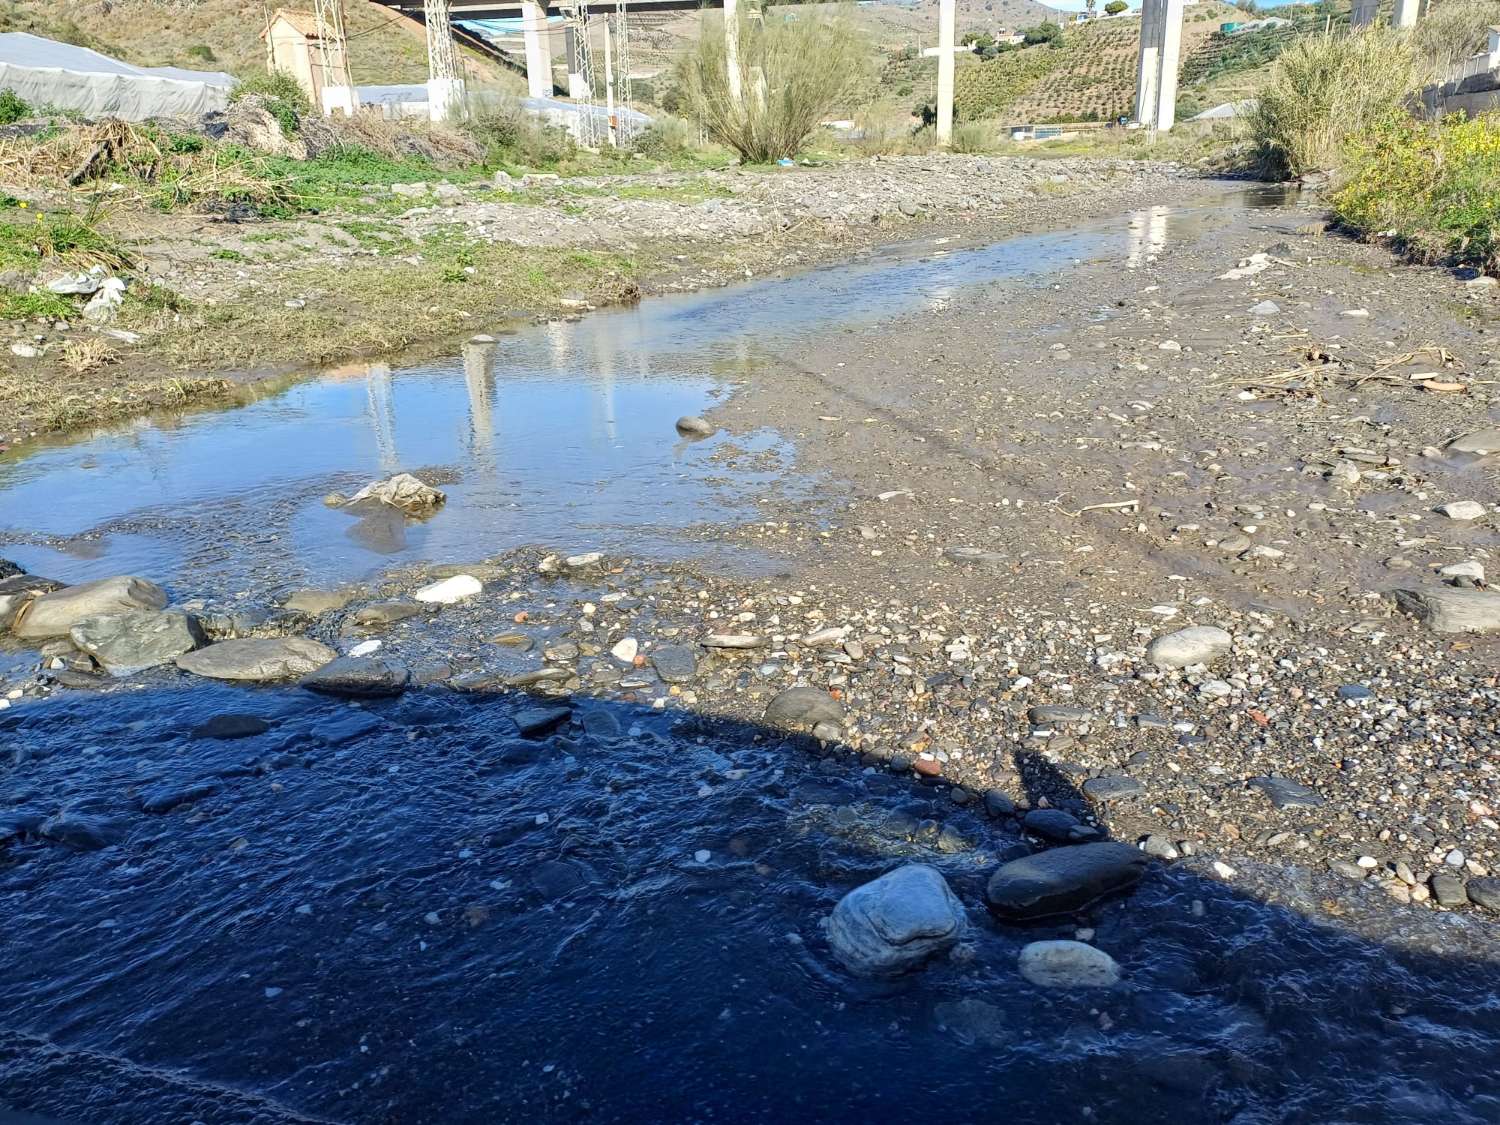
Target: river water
<point>406,912</point>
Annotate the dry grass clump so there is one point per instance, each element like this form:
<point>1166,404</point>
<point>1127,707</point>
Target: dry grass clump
<point>87,355</point>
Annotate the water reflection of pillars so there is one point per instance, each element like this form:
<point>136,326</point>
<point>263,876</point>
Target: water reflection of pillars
<point>382,410</point>
<point>1148,236</point>
<point>479,379</point>
<point>604,347</point>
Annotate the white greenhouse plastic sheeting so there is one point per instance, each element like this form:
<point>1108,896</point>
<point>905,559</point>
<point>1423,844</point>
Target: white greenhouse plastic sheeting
<point>58,75</point>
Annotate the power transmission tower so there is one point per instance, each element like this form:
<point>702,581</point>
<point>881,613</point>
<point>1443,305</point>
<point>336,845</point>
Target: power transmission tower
<point>577,16</point>
<point>623,105</point>
<point>333,56</point>
<point>445,86</point>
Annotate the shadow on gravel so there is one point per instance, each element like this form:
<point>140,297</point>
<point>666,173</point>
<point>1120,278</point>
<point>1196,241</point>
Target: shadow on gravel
<point>231,905</point>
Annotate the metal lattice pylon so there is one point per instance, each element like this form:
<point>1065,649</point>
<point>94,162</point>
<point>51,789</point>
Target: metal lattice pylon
<point>588,119</point>
<point>622,62</point>
<point>333,43</point>
<point>442,58</point>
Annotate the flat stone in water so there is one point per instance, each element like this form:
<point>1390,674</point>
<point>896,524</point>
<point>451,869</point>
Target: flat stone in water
<point>1285,793</point>
<point>359,677</point>
<point>804,707</point>
<point>534,722</point>
<point>258,659</point>
<point>675,664</point>
<point>165,798</point>
<point>80,832</point>
<point>1063,880</point>
<point>1068,964</point>
<point>1103,789</point>
<point>230,726</point>
<point>896,922</point>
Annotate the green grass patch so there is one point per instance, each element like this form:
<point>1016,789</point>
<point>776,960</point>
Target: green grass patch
<point>1437,186</point>
<point>29,237</point>
<point>35,306</point>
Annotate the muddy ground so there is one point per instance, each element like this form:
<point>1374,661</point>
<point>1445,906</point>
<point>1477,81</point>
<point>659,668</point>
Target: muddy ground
<point>1025,484</point>
<point>415,267</point>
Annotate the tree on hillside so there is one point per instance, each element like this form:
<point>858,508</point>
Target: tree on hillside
<point>1043,33</point>
<point>1089,6</point>
<point>1115,7</point>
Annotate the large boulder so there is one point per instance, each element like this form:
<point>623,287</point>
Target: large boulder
<point>1062,880</point>
<point>1199,644</point>
<point>1451,609</point>
<point>142,638</point>
<point>258,659</point>
<point>359,677</point>
<point>896,922</point>
<point>55,614</point>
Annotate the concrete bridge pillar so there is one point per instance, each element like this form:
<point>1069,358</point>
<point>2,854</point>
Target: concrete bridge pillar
<point>1405,13</point>
<point>1156,65</point>
<point>1363,13</point>
<point>534,34</point>
<point>577,88</point>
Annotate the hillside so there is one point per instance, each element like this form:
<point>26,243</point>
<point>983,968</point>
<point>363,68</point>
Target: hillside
<point>225,35</point>
<point>1091,76</point>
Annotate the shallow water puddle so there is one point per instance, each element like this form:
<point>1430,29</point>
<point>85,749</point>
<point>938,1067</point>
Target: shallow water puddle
<point>560,434</point>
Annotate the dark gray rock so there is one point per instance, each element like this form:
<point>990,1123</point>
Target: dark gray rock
<point>1485,892</point>
<point>1058,826</point>
<point>9,569</point>
<point>535,722</point>
<point>165,798</point>
<point>800,707</point>
<point>55,614</point>
<point>1102,789</point>
<point>1063,880</point>
<point>230,726</point>
<point>143,638</point>
<point>997,803</point>
<point>896,922</point>
<point>1449,890</point>
<point>359,677</point>
<point>1355,691</point>
<point>258,659</point>
<point>558,878</point>
<point>1285,793</point>
<point>675,664</point>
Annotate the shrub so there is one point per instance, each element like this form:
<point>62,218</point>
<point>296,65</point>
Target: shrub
<point>1436,185</point>
<point>279,92</point>
<point>972,138</point>
<point>510,134</point>
<point>1043,34</point>
<point>1326,89</point>
<point>1115,7</point>
<point>200,51</point>
<point>791,74</point>
<point>13,107</point>
<point>665,139</point>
